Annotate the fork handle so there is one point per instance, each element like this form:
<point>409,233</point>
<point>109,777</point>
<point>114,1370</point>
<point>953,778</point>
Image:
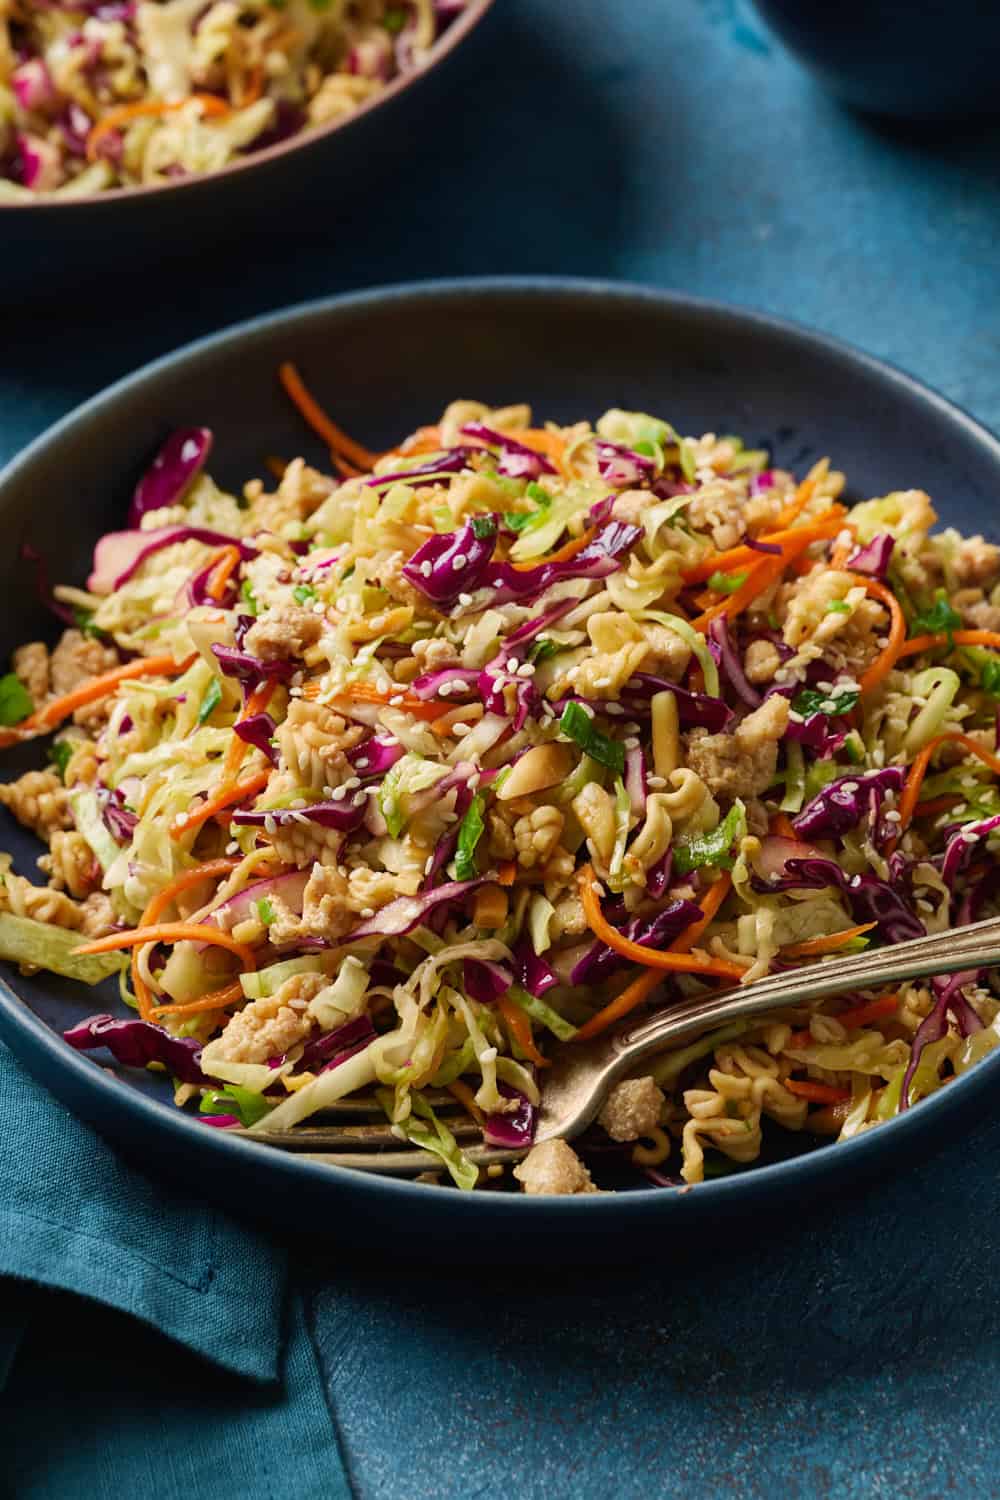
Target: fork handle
<point>568,1109</point>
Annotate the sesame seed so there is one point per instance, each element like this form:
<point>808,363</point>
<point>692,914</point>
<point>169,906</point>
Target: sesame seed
<point>893,816</point>
<point>295,692</point>
<point>232,847</point>
<point>269,824</point>
<point>458,562</point>
<point>656,781</point>
<point>396,699</point>
<point>339,793</point>
<point>855,881</point>
<point>461,728</point>
<point>358,798</point>
<point>367,911</point>
<point>362,763</point>
<point>426,569</point>
<point>299,802</point>
<point>526,669</point>
<point>849,787</point>
<point>319,608</point>
<point>631,743</point>
<point>352,781</point>
<point>465,599</point>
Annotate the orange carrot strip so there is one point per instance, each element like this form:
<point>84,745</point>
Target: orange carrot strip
<point>884,663</point>
<point>632,995</point>
<point>229,558</point>
<point>172,932</point>
<point>316,418</point>
<point>158,904</point>
<point>344,468</point>
<point>781,826</point>
<point>215,1000</point>
<point>126,113</point>
<point>709,903</point>
<point>797,504</point>
<point>919,643</point>
<point>821,529</point>
<point>828,943</point>
<point>800,1039</point>
<point>467,1099</point>
<point>277,466</point>
<point>519,1027</point>
<point>562,554</point>
<point>224,798</point>
<point>918,770</point>
<point>507,872</point>
<point>873,1010</point>
<point>363,692</point>
<point>51,714</point>
<point>935,805</point>
<point>256,704</point>
<point>818,1093</point>
<point>424,440</point>
<point>671,960</point>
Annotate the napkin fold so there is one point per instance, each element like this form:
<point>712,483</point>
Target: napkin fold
<point>95,1403</point>
<point>73,1215</point>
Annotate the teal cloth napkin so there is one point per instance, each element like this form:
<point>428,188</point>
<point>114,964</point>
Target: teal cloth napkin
<point>222,1381</point>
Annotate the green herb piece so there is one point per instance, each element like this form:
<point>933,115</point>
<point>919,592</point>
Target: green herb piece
<point>712,850</point>
<point>810,701</point>
<point>726,583</point>
<point>84,619</point>
<point>304,593</point>
<point>647,449</point>
<point>577,723</point>
<point>854,748</point>
<point>483,527</point>
<point>989,678</point>
<point>470,831</point>
<point>940,619</point>
<point>394,20</point>
<point>265,911</point>
<point>211,701</point>
<point>15,700</point>
<point>248,1105</point>
<point>60,754</point>
<point>838,607</point>
<point>689,467</point>
<point>247,595</point>
<point>526,520</point>
<point>541,649</point>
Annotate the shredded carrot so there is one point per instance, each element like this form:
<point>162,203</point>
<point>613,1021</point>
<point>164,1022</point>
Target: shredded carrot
<point>918,770</point>
<point>344,468</point>
<point>256,704</point>
<point>781,826</point>
<point>519,1027</point>
<point>873,1010</point>
<point>126,113</point>
<point>709,903</point>
<point>224,798</point>
<point>919,643</point>
<point>507,872</point>
<point>448,724</point>
<point>562,554</point>
<point>363,692</point>
<point>797,504</point>
<point>817,1093</point>
<point>467,1099</point>
<point>229,559</point>
<point>672,961</point>
<point>424,440</point>
<point>315,417</point>
<point>632,995</point>
<point>158,904</point>
<point>541,440</point>
<point>884,663</point>
<point>172,932</point>
<point>277,466</point>
<point>215,1000</point>
<point>828,943</point>
<point>800,1039</point>
<point>818,530</point>
<point>52,713</point>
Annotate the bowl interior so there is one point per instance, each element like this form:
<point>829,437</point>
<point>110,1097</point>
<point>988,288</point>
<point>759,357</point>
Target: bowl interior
<point>383,363</point>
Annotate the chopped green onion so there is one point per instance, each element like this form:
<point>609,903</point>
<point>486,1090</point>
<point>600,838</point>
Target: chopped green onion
<point>726,583</point>
<point>712,850</point>
<point>940,619</point>
<point>394,20</point>
<point>60,755</point>
<point>248,597</point>
<point>483,527</point>
<point>838,607</point>
<point>211,700</point>
<point>577,723</point>
<point>15,700</point>
<point>265,911</point>
<point>812,701</point>
<point>470,831</point>
<point>304,593</point>
<point>234,1100</point>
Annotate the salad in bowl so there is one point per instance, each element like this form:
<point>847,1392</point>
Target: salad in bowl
<point>376,784</point>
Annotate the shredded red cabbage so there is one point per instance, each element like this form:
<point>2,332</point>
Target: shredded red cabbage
<point>431,684</point>
<point>655,931</point>
<point>119,554</point>
<point>532,972</point>
<point>372,758</point>
<point>694,710</point>
<point>344,815</point>
<point>635,780</point>
<point>329,1051</point>
<point>254,669</point>
<point>116,817</point>
<point>181,458</point>
<point>842,804</point>
<point>515,1129</point>
<point>451,461</point>
<point>935,1024</point>
<point>870,899</point>
<point>137,1043</point>
<point>621,466</point>
<point>874,558</point>
<point>453,562</point>
<point>258,730</point>
<point>486,981</point>
<point>961,844</point>
<point>516,460</point>
<point>729,661</point>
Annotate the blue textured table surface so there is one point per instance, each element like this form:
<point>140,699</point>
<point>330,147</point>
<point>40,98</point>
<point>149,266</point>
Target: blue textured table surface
<point>850,1349</point>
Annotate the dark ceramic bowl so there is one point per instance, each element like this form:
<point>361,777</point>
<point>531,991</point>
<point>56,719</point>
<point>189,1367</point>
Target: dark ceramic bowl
<point>384,362</point>
<point>914,59</point>
<point>56,244</point>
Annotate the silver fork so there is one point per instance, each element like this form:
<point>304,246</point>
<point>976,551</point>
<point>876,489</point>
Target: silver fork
<point>583,1073</point>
